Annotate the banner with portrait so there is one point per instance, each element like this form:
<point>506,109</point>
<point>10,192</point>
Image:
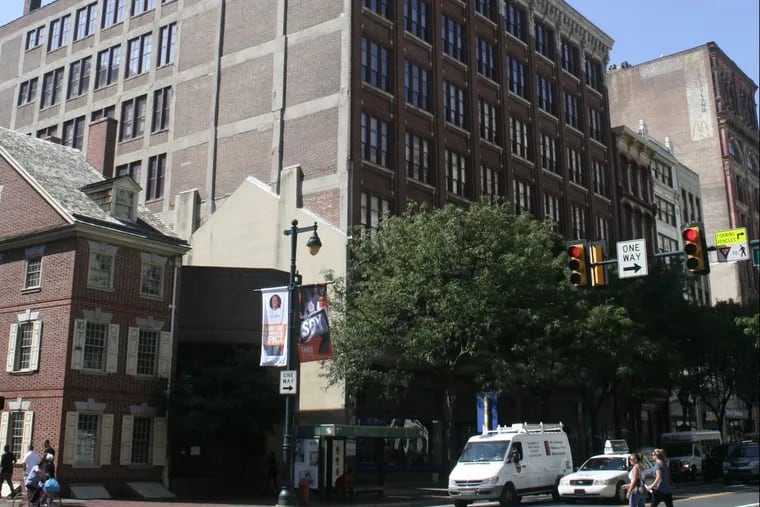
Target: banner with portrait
<point>314,341</point>
<point>274,326</point>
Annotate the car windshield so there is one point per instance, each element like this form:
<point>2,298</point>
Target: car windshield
<point>485,451</point>
<point>745,451</point>
<point>604,463</point>
<point>678,450</point>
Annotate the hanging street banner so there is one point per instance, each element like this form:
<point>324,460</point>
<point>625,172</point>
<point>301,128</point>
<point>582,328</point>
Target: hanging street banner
<point>274,326</point>
<point>314,342</point>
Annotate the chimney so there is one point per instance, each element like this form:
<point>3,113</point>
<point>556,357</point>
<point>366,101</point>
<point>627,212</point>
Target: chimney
<point>101,145</point>
<point>31,5</point>
<point>642,128</point>
<point>668,144</point>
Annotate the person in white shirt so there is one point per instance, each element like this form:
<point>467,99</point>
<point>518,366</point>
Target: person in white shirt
<point>31,460</point>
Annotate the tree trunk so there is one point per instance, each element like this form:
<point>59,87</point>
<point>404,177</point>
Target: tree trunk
<point>450,440</point>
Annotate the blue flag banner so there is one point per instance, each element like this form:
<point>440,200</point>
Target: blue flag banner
<point>487,416</point>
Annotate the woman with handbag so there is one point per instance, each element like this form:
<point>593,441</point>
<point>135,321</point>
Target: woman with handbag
<point>637,492</point>
<point>661,488</point>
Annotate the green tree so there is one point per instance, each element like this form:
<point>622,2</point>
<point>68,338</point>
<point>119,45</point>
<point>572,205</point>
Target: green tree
<point>447,293</point>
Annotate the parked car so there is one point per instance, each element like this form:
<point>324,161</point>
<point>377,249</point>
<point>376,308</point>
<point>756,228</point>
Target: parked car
<point>603,476</point>
<point>712,464</point>
<point>742,463</point>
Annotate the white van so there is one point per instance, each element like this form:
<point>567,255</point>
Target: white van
<point>511,462</point>
<point>685,450</point>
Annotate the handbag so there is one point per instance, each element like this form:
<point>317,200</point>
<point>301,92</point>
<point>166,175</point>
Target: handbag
<point>640,488</point>
<point>51,486</point>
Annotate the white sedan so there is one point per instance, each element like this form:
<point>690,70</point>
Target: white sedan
<point>602,476</point>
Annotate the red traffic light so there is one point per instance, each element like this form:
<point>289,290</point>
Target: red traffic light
<point>574,251</point>
<point>690,234</point>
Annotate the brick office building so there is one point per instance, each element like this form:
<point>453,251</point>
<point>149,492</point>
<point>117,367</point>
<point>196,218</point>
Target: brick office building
<point>87,280</point>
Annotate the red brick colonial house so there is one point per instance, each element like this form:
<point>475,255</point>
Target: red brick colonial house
<point>88,280</point>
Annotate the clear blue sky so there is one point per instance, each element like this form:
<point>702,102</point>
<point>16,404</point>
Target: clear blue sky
<point>645,29</point>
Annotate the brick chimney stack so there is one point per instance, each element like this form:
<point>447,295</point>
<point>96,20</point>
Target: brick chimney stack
<point>31,5</point>
<point>101,145</point>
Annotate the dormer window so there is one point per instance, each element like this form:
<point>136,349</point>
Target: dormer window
<point>124,204</point>
<point>116,196</point>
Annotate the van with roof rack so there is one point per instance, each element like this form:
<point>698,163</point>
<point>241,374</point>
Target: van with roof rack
<point>511,462</point>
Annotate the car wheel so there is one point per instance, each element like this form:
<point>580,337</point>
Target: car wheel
<point>620,493</point>
<point>555,493</point>
<point>460,503</point>
<point>508,496</point>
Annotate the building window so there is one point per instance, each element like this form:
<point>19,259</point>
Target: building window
<point>73,133</point>
<point>59,33</point>
<point>32,271</point>
<point>375,64</point>
<point>379,6</point>
<point>52,84</point>
<point>490,181</point>
<point>417,157</point>
<point>516,77</point>
<point>147,352</point>
<point>487,8</point>
<point>572,116</point>
<point>79,78</point>
<point>666,211</point>
<point>575,166</point>
<point>86,446</point>
<point>141,439</point>
<point>139,50</point>
<point>95,345</point>
<point>514,16</point>
<point>544,40</point>
<point>520,137</point>
<point>35,38</point>
<point>485,59</point>
<point>14,439</point>
<point>522,196</point>
<point>152,283</point>
<point>453,38</point>
<point>666,244</point>
<point>602,228</point>
<point>456,172</point>
<point>27,92</point>
<point>161,108</point>
<point>167,39</point>
<point>106,112</point>
<point>131,169</point>
<point>84,21</point>
<point>601,183</point>
<point>570,58</point>
<point>453,104</point>
<point>489,121</point>
<point>24,346</point>
<point>594,74</point>
<point>132,118</point>
<point>373,210</point>
<point>156,172</point>
<point>141,6</point>
<point>545,95</point>
<point>552,209</point>
<point>113,12</point>
<point>578,225</point>
<point>375,139</point>
<point>48,132</point>
<point>416,89</point>
<point>548,152</point>
<point>107,71</point>
<point>664,173</point>
<point>416,18</point>
<point>100,275</point>
<point>595,125</point>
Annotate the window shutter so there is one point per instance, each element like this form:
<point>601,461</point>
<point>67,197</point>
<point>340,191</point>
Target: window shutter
<point>34,360</point>
<point>159,441</point>
<point>165,355</point>
<point>26,435</point>
<point>77,352</point>
<point>112,354</point>
<point>106,438</point>
<point>133,340</point>
<point>125,456</point>
<point>70,437</point>
<point>12,347</point>
<point>4,429</point>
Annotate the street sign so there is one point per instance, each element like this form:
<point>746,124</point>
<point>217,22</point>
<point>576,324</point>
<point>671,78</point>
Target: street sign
<point>731,245</point>
<point>756,256</point>
<point>632,258</point>
<point>288,382</point>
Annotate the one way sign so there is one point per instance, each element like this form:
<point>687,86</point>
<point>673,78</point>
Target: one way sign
<point>632,258</point>
<point>288,382</point>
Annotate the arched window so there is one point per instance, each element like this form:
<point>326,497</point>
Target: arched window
<point>733,149</point>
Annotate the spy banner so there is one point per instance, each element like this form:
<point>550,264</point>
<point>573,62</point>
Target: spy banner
<point>314,342</point>
<point>274,326</point>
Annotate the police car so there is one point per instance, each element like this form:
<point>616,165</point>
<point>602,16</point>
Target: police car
<point>604,475</point>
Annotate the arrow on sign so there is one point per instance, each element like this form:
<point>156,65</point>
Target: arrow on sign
<point>635,268</point>
<point>287,388</point>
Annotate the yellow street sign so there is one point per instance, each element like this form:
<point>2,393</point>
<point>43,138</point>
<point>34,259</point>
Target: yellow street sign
<point>731,237</point>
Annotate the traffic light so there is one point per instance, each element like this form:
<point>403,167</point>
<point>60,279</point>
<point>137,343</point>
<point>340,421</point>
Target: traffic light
<point>598,271</point>
<point>695,248</point>
<point>578,264</point>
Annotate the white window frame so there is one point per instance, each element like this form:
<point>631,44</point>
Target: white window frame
<point>157,444</point>
<point>152,261</point>
<point>28,417</point>
<point>103,438</point>
<point>111,360</point>
<point>14,348</point>
<point>101,251</point>
<point>163,354</point>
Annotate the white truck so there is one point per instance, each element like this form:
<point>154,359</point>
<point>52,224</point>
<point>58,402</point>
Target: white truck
<point>511,462</point>
<point>685,450</point>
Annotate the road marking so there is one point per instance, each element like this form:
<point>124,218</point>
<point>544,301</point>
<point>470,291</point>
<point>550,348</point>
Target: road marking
<point>749,505</point>
<point>700,497</point>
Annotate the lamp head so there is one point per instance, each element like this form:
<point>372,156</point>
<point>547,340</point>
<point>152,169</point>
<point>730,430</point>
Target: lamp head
<point>314,243</point>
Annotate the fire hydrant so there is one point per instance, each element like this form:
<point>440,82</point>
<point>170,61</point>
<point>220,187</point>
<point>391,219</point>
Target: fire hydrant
<point>303,492</point>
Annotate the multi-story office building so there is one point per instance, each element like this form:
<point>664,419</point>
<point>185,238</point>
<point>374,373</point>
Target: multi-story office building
<point>237,116</point>
<point>704,104</point>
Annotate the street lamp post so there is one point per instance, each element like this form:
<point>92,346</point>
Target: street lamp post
<point>287,496</point>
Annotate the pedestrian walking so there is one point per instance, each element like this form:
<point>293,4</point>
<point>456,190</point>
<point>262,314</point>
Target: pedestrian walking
<point>31,460</point>
<point>661,488</point>
<point>47,448</point>
<point>7,461</point>
<point>636,489</point>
